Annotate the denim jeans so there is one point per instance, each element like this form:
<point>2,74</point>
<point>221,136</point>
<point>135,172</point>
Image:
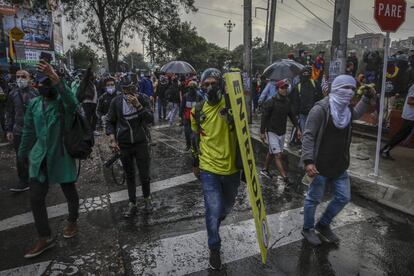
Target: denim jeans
<point>173,111</point>
<point>162,108</point>
<point>220,193</point>
<point>342,195</point>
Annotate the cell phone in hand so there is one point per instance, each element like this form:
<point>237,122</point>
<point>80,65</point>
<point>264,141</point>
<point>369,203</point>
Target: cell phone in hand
<point>46,56</point>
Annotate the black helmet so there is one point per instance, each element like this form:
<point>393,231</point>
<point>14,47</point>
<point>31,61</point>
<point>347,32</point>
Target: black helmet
<point>211,72</point>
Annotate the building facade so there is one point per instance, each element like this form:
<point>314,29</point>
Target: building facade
<point>369,41</point>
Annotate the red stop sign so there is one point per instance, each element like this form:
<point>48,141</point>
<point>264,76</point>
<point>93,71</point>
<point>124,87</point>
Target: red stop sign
<point>390,14</point>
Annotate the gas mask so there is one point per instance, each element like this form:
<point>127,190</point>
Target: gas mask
<point>213,94</point>
<point>22,83</point>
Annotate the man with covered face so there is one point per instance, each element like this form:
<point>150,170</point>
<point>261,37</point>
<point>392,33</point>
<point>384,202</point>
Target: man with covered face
<point>214,153</point>
<point>325,154</point>
<point>17,103</point>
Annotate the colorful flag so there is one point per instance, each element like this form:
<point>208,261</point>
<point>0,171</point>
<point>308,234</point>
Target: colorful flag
<point>12,54</point>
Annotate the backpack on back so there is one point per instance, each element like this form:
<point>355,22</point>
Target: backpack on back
<point>78,139</point>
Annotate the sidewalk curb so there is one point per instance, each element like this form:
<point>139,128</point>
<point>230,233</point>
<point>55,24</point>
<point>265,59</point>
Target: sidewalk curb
<point>375,190</point>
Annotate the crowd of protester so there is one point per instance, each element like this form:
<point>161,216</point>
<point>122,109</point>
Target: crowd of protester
<point>37,112</point>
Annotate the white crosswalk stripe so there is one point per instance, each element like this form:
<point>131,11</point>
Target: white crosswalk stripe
<point>188,253</point>
<point>61,209</point>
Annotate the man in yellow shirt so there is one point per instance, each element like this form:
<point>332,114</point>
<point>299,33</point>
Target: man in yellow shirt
<point>214,152</point>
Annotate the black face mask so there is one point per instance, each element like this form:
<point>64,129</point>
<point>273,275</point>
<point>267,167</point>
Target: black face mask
<point>47,91</point>
<point>213,94</point>
<point>305,77</point>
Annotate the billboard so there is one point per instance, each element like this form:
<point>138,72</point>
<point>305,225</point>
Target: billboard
<point>37,26</point>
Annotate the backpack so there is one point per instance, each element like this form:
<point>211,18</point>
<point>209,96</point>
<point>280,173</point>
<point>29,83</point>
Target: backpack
<point>300,85</point>
<point>79,139</point>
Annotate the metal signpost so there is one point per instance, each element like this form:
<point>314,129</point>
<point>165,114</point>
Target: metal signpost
<point>389,14</point>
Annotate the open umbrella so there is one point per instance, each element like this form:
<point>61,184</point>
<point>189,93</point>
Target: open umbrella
<point>178,67</point>
<point>283,69</point>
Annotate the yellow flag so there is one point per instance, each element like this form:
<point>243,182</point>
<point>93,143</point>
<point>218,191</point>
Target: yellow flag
<point>11,48</point>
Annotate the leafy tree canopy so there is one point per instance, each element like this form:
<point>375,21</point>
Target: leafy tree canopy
<point>106,23</point>
<point>82,55</point>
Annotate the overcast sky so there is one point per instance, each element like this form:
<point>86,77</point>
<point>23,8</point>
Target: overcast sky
<point>293,22</point>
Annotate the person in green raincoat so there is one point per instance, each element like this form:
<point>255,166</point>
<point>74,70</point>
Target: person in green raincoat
<point>43,148</point>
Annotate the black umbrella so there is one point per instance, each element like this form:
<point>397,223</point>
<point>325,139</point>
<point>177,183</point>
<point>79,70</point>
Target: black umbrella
<point>178,67</point>
<point>283,69</point>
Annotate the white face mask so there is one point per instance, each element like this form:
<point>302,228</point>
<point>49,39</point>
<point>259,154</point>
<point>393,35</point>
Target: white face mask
<point>22,83</point>
<point>110,89</point>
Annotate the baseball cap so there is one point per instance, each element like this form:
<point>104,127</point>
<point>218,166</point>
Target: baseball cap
<point>282,83</point>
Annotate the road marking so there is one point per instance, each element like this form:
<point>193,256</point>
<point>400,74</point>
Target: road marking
<point>61,209</point>
<point>27,270</point>
<point>188,253</point>
<point>160,126</point>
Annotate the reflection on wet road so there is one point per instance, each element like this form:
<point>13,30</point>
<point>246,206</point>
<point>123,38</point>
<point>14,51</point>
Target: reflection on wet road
<point>171,240</point>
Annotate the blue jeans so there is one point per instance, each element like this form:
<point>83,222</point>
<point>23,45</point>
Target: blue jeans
<point>220,193</point>
<point>342,195</point>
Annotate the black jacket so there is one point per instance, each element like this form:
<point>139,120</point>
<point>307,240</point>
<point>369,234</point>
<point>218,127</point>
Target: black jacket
<point>161,88</point>
<point>129,129</point>
<point>275,114</point>
<point>104,101</point>
<point>305,99</point>
<point>16,107</point>
<point>173,92</point>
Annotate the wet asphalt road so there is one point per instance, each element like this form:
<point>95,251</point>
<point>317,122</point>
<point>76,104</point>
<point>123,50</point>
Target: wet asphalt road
<point>171,240</point>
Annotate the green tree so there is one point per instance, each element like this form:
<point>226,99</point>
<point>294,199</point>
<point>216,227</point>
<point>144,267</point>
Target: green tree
<point>82,56</point>
<point>135,60</point>
<point>106,23</point>
<point>183,43</point>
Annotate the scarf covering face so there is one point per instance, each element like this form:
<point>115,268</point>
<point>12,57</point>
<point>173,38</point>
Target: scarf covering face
<point>339,100</point>
<point>128,110</point>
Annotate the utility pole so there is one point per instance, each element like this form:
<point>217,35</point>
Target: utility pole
<point>271,35</point>
<point>267,18</point>
<point>229,25</point>
<point>267,21</point>
<point>247,68</point>
<point>339,39</point>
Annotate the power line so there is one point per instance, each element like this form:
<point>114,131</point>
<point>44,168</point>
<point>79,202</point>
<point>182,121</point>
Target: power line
<point>354,20</point>
<point>257,24</point>
<point>319,6</point>
<point>315,15</point>
<point>305,15</point>
<point>217,10</point>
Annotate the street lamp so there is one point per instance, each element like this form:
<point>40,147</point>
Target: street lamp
<point>229,25</point>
